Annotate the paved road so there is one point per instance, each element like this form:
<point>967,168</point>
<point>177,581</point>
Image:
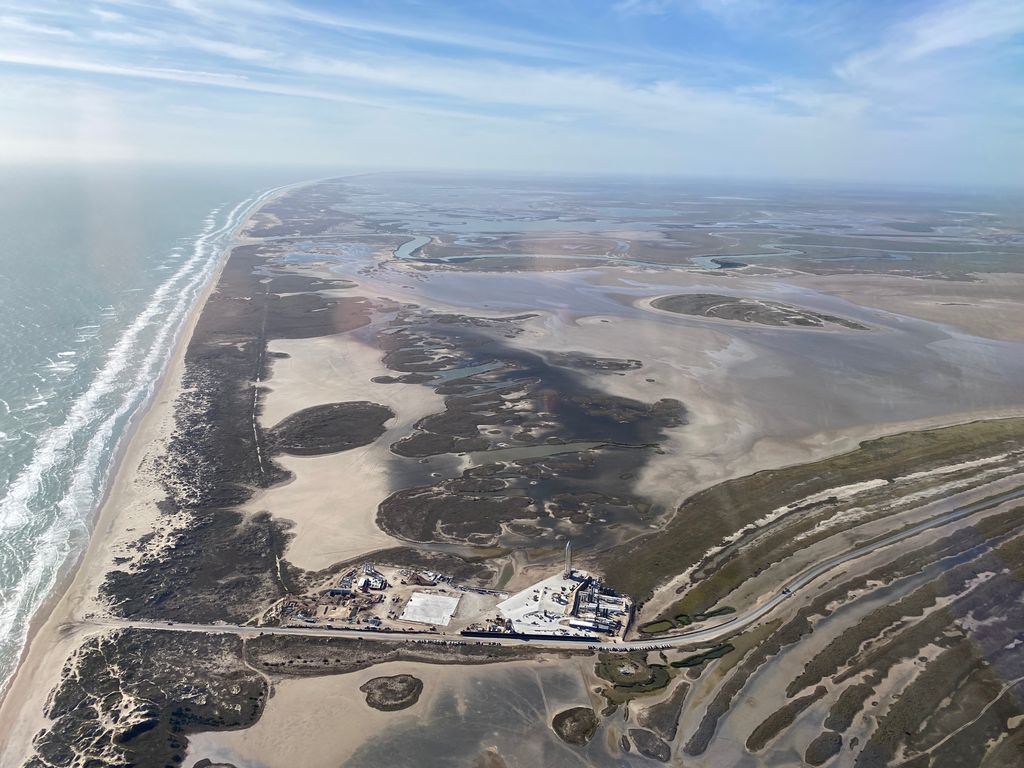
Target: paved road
<point>704,636</point>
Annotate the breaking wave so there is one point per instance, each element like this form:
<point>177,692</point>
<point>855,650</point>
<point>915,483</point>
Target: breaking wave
<point>46,510</point>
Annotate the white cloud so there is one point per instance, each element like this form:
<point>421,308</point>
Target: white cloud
<point>459,35</point>
<point>227,80</point>
<point>643,7</point>
<point>952,27</point>
<point>107,15</point>
<point>120,37</point>
<point>410,93</point>
<point>229,50</point>
<point>24,26</point>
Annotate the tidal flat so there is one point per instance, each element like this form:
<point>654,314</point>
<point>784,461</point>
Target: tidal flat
<point>463,387</point>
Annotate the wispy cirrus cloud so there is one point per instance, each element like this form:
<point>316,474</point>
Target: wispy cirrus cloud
<point>230,81</point>
<point>735,86</point>
<point>950,28</point>
<point>25,27</point>
<point>229,50</point>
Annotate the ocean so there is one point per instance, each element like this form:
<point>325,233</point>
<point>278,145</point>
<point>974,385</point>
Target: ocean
<point>99,268</point>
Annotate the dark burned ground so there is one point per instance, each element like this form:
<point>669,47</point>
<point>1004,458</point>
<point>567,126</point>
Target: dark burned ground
<point>222,564</point>
<point>132,697</point>
<point>575,726</point>
<point>518,391</point>
<point>212,460</point>
<point>471,570</point>
<point>663,718</point>
<point>295,656</point>
<point>223,567</point>
<point>586,362</point>
<point>515,503</point>
<point>650,745</point>
<point>747,310</point>
<point>330,428</point>
<point>310,210</point>
<point>496,396</point>
<point>392,693</point>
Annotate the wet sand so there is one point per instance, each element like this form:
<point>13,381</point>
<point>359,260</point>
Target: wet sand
<point>749,406</point>
<point>756,398</point>
<point>325,735</point>
<point>128,510</point>
<point>332,500</point>
<point>988,306</point>
<point>506,708</point>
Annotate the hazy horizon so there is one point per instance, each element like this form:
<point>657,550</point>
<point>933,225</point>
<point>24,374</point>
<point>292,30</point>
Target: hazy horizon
<point>913,93</point>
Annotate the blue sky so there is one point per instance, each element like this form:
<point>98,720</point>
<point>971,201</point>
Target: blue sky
<point>910,92</point>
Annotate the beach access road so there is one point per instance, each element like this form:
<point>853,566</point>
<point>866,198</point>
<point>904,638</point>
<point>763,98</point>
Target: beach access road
<point>697,637</point>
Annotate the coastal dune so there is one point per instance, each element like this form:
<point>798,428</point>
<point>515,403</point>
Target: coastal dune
<point>503,413</point>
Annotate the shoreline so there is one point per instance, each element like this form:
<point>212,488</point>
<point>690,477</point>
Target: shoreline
<point>75,579</point>
<point>299,367</point>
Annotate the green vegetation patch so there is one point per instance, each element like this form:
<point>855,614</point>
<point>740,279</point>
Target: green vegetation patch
<point>708,517</point>
<point>699,658</point>
<point>630,676</point>
<point>681,620</point>
<point>390,694</point>
<point>654,627</point>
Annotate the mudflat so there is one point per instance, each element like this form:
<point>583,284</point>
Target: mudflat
<point>377,400</point>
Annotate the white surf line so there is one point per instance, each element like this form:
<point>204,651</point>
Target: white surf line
<point>52,546</point>
<point>116,363</point>
<point>144,382</point>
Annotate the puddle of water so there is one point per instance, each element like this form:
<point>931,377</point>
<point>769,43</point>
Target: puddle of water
<point>455,374</point>
<point>529,452</point>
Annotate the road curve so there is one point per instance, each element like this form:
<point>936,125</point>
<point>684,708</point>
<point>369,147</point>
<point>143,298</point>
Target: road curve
<point>697,637</point>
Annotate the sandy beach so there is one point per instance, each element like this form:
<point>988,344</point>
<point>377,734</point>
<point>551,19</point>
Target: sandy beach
<point>490,386</point>
<point>127,511</point>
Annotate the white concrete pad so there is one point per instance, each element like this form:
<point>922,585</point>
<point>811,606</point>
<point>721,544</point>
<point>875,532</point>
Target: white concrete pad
<point>430,608</point>
<point>542,607</point>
